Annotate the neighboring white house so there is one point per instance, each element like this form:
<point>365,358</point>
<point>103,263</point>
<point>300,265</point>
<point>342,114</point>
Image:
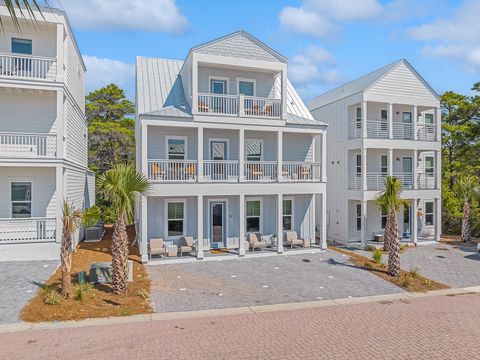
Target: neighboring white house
<point>384,123</point>
<point>43,134</point>
<point>213,132</point>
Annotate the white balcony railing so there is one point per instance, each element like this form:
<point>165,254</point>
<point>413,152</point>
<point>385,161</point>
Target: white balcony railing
<point>406,178</point>
<point>402,131</point>
<point>301,171</point>
<point>27,230</point>
<point>239,105</point>
<point>20,145</point>
<point>377,129</point>
<point>220,170</point>
<point>354,130</point>
<point>426,132</point>
<point>262,171</point>
<point>426,181</point>
<point>376,181</point>
<point>27,67</point>
<point>355,181</point>
<point>172,170</point>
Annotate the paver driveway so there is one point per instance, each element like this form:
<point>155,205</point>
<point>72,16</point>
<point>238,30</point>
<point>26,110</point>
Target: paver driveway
<point>20,280</point>
<point>260,281</point>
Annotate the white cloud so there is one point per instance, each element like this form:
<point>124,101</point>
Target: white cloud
<point>456,38</point>
<point>102,71</point>
<point>153,15</point>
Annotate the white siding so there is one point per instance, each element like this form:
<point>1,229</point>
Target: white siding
<point>43,37</point>
<point>91,190</point>
<point>75,187</point>
<point>156,142</point>
<point>298,147</point>
<point>74,74</point>
<point>76,134</point>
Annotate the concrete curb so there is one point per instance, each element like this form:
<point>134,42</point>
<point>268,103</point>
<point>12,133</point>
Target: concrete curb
<point>21,327</point>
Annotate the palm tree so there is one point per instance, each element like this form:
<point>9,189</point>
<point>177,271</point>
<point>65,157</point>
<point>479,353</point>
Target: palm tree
<point>119,186</point>
<point>18,5</point>
<point>468,189</point>
<point>72,220</point>
<point>390,202</point>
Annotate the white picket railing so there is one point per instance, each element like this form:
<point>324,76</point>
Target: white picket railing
<point>426,181</point>
<point>172,170</point>
<point>262,171</point>
<point>354,181</point>
<point>262,107</point>
<point>377,129</point>
<point>21,145</point>
<point>406,179</point>
<point>402,131</point>
<point>27,66</point>
<point>426,132</point>
<point>220,170</point>
<point>376,181</point>
<point>218,104</point>
<point>26,230</point>
<point>301,171</point>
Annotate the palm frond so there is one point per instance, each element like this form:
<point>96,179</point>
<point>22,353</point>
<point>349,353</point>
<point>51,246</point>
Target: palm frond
<point>390,197</point>
<point>21,9</point>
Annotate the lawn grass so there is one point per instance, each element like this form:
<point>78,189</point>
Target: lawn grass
<point>99,301</point>
<point>406,281</point>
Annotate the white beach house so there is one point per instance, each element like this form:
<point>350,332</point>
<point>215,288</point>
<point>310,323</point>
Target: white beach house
<point>230,150</point>
<point>386,123</point>
<point>43,134</point>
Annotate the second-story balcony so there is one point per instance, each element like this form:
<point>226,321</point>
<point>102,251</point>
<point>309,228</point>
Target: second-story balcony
<point>239,105</point>
<point>30,146</point>
<point>27,67</point>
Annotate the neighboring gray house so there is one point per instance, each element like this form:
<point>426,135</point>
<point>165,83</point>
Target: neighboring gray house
<point>386,123</point>
<point>43,134</point>
<point>229,148</point>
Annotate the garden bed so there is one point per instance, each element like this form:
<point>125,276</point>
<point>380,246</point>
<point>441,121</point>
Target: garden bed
<point>98,301</point>
<point>408,280</point>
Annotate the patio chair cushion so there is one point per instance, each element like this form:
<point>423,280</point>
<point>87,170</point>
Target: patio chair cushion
<point>187,241</point>
<point>291,235</point>
<point>157,246</point>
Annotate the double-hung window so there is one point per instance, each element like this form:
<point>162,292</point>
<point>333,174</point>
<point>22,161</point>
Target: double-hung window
<point>287,214</point>
<point>359,217</point>
<point>175,219</point>
<point>384,164</point>
<point>358,118</point>
<point>384,218</point>
<point>429,214</point>
<point>21,199</point>
<point>176,148</point>
<point>254,214</point>
<point>358,164</point>
<point>24,47</point>
<point>246,87</point>
<point>254,149</point>
<point>218,86</point>
<point>429,119</point>
<point>429,167</point>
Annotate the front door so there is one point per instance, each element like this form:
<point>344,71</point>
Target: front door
<point>217,224</point>
<point>406,221</point>
<point>218,152</point>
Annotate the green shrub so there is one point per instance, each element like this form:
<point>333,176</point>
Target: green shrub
<point>51,295</point>
<point>370,248</point>
<point>124,311</point>
<point>377,255</point>
<point>81,290</point>
<point>427,282</point>
<point>407,280</point>
<point>143,294</point>
<point>414,272</point>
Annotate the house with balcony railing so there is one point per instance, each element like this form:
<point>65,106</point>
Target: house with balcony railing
<point>43,134</point>
<point>386,123</point>
<point>231,151</point>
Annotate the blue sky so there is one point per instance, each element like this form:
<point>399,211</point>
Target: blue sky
<point>328,42</point>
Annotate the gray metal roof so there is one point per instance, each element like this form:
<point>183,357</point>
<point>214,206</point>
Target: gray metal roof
<point>351,88</point>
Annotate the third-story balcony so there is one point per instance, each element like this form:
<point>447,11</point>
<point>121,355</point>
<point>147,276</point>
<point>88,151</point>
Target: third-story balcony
<point>27,67</point>
<point>31,146</point>
<point>376,181</point>
<point>239,105</point>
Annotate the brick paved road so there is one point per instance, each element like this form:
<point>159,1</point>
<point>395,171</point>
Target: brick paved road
<point>444,327</point>
<point>19,282</point>
<point>261,281</point>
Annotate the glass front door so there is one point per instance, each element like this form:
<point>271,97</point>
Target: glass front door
<point>217,224</point>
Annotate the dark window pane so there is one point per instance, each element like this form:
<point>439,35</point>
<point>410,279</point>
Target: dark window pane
<point>21,191</point>
<point>429,207</point>
<point>22,46</point>
<point>384,222</point>
<point>21,209</point>
<point>287,223</point>
<point>175,210</point>
<point>429,219</point>
<point>359,223</point>
<point>176,149</point>
<point>253,208</point>
<point>175,227</point>
<point>253,224</point>
<point>245,88</point>
<point>287,207</point>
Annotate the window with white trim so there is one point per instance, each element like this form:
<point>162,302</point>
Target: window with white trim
<point>429,165</point>
<point>254,149</point>
<point>246,88</point>
<point>359,217</point>
<point>383,164</point>
<point>218,86</point>
<point>383,216</point>
<point>287,214</point>
<point>175,218</point>
<point>176,148</point>
<point>21,199</point>
<point>358,164</point>
<point>429,119</point>
<point>254,214</point>
<point>358,118</point>
<point>429,213</point>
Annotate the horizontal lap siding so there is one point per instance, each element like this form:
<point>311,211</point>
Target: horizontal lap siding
<point>43,37</point>
<point>297,147</point>
<point>76,135</point>
<point>90,194</point>
<point>76,188</point>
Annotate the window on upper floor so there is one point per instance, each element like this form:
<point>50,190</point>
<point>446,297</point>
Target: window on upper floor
<point>358,164</point>
<point>218,86</point>
<point>358,118</point>
<point>21,199</point>
<point>383,216</point>
<point>384,164</point>
<point>429,165</point>
<point>21,46</point>
<point>384,115</point>
<point>254,149</point>
<point>246,87</point>
<point>428,118</point>
<point>176,148</point>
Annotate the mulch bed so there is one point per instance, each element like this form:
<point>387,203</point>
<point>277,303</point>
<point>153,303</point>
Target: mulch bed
<point>406,281</point>
<point>456,240</point>
<point>100,301</point>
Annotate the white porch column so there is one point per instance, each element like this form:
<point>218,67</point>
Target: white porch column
<point>323,156</point>
<point>414,169</point>
<point>241,222</point>
<point>415,121</point>
<point>313,237</point>
<point>438,123</point>
<point>390,120</point>
<point>60,198</point>
<point>200,227</point>
<point>364,169</point>
<point>143,237</point>
<point>279,155</point>
<point>438,169</point>
<point>194,84</point>
<point>200,154</point>
<point>60,123</point>
<point>280,223</point>
<point>438,219</point>
<point>363,235</point>
<point>323,229</point>
<point>390,161</point>
<point>144,152</point>
<point>414,206</point>
<point>364,119</point>
<point>241,155</point>
<point>284,93</point>
<point>60,54</point>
